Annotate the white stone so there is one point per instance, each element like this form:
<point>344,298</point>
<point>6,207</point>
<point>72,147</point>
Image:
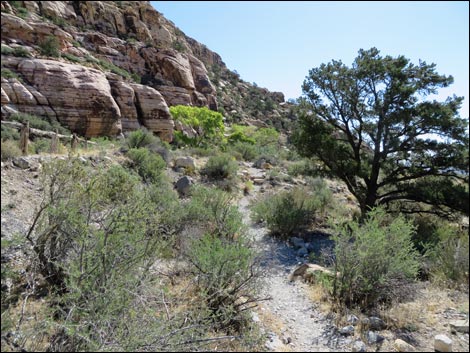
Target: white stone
<point>442,343</point>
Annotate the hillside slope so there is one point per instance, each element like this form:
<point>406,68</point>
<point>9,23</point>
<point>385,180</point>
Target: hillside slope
<point>105,67</point>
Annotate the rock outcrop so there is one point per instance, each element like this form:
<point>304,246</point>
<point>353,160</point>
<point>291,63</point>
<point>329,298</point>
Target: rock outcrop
<point>154,65</point>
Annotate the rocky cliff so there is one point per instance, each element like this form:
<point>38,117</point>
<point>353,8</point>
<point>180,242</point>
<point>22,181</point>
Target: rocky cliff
<point>106,67</point>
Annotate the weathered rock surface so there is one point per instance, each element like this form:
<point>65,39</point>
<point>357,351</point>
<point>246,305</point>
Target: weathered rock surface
<point>101,36</point>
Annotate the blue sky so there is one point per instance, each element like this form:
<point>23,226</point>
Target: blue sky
<point>275,44</point>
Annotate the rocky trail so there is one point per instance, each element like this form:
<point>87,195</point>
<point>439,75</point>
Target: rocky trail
<point>301,326</point>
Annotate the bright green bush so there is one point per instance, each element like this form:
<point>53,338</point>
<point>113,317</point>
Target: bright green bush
<point>373,260</point>
<point>207,123</point>
<point>149,166</point>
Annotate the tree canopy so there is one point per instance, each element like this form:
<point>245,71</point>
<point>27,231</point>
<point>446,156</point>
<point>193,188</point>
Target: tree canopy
<point>372,126</point>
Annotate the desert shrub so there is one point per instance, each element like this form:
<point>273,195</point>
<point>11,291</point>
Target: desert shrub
<point>50,46</point>
<point>243,151</point>
<point>214,209</point>
<point>95,237</point>
<point>21,52</point>
<point>208,124</point>
<point>41,123</point>
<point>289,211</point>
<point>302,167</point>
<point>449,257</point>
<point>222,169</point>
<point>9,133</point>
<point>141,138</point>
<point>10,149</point>
<point>72,58</point>
<point>227,279</point>
<point>41,145</point>
<point>373,260</point>
<point>7,73</point>
<point>150,166</point>
<point>6,50</point>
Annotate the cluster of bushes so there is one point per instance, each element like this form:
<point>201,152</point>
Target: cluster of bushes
<point>293,210</point>
<point>99,231</point>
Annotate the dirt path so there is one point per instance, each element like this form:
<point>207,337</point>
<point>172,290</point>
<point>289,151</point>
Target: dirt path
<point>302,327</point>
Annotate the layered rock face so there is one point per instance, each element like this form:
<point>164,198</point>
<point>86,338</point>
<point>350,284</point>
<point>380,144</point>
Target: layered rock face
<point>153,65</point>
<point>81,95</point>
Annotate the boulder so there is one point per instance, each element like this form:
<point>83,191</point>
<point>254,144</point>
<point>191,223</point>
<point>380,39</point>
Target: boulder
<point>347,330</point>
<point>459,326</point>
<point>183,185</point>
<point>185,162</point>
<point>359,346</point>
<point>442,343</point>
<point>402,346</point>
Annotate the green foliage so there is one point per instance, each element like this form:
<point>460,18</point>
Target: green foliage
<point>220,167</point>
<point>449,258</point>
<point>208,124</point>
<point>21,52</point>
<point>6,50</point>
<point>41,123</point>
<point>9,133</point>
<point>240,134</point>
<point>141,138</point>
<point>243,151</point>
<point>304,167</point>
<point>50,46</point>
<point>7,73</point>
<point>349,111</point>
<point>292,210</point>
<point>225,278</point>
<point>76,44</point>
<point>41,145</point>
<point>95,238</point>
<point>10,149</point>
<point>150,166</point>
<point>373,259</point>
<point>106,65</point>
<point>72,58</point>
<point>215,210</point>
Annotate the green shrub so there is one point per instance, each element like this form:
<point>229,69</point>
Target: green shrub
<point>7,73</point>
<point>220,167</point>
<point>9,133</point>
<point>72,58</point>
<point>243,150</point>
<point>10,149</point>
<point>41,145</point>
<point>95,240</point>
<point>226,279</point>
<point>150,166</point>
<point>141,138</point>
<point>41,123</point>
<point>449,257</point>
<point>50,46</point>
<point>303,167</point>
<point>21,52</point>
<point>373,260</point>
<point>214,209</point>
<point>6,50</point>
<point>287,211</point>
<point>207,123</point>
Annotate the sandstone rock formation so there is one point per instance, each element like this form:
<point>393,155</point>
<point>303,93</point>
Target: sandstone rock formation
<point>154,65</point>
